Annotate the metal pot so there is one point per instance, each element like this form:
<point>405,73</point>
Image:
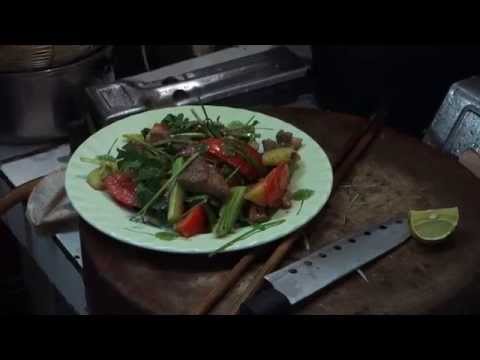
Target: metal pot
<point>40,106</point>
<point>17,58</point>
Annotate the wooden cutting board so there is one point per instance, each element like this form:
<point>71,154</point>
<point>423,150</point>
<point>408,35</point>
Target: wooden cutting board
<point>397,174</point>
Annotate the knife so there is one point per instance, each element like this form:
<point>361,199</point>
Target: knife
<point>298,281</point>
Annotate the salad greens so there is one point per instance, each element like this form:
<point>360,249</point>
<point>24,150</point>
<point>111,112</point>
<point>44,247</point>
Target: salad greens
<point>193,176</point>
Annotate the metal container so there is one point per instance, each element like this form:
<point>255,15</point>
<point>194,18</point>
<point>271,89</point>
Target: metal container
<point>39,106</point>
<point>456,127</point>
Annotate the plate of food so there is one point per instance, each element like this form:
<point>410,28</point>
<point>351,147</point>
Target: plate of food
<point>198,179</point>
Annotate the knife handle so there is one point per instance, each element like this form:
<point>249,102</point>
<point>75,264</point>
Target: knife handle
<point>267,301</point>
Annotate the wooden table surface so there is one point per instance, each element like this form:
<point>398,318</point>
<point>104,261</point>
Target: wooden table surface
<point>397,173</point>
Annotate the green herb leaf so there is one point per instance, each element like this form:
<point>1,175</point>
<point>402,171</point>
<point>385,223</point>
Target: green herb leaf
<point>143,211</point>
<point>165,235</point>
<point>242,131</point>
<point>144,194</point>
<point>148,173</point>
<point>179,124</point>
<point>162,235</point>
<point>132,158</point>
<point>302,194</point>
<point>131,165</point>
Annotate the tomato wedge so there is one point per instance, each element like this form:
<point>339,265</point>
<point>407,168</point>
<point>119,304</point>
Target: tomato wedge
<point>121,187</point>
<point>276,184</point>
<point>195,222</point>
<point>216,147</point>
<point>270,190</point>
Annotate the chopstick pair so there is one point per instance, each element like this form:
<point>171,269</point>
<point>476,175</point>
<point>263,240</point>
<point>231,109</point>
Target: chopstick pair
<point>351,152</point>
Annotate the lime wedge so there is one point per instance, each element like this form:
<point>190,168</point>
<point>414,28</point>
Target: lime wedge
<point>433,225</point>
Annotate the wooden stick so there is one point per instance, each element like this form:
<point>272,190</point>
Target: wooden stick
<point>344,166</point>
<point>17,195</point>
<point>242,265</point>
<point>225,284</point>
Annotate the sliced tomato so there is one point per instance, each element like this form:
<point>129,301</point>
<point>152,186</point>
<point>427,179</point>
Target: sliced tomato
<point>216,148</point>
<point>121,187</point>
<point>256,193</point>
<point>276,184</point>
<point>270,190</point>
<point>195,222</point>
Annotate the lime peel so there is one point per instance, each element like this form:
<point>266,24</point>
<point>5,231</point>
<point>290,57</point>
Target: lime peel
<point>433,225</point>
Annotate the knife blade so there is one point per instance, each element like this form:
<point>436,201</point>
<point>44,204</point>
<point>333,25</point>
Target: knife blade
<point>301,279</point>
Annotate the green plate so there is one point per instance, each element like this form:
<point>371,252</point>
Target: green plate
<point>100,211</point>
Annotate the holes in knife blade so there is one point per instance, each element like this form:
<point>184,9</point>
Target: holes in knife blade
<point>179,95</point>
<point>322,255</point>
<point>399,221</point>
<point>367,233</point>
<point>308,263</point>
<point>352,241</point>
<point>292,271</point>
<point>383,227</point>
<point>337,247</point>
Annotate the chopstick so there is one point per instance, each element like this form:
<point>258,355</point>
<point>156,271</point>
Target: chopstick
<point>225,284</point>
<point>242,265</point>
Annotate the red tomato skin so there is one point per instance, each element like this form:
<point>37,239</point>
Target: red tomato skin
<point>276,184</point>
<point>194,223</point>
<point>121,187</point>
<point>215,148</point>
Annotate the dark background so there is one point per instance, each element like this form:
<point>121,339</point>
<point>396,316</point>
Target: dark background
<point>413,80</point>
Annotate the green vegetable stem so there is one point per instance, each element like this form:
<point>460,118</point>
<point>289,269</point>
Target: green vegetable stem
<point>256,228</point>
<point>230,212</point>
<point>177,195</point>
